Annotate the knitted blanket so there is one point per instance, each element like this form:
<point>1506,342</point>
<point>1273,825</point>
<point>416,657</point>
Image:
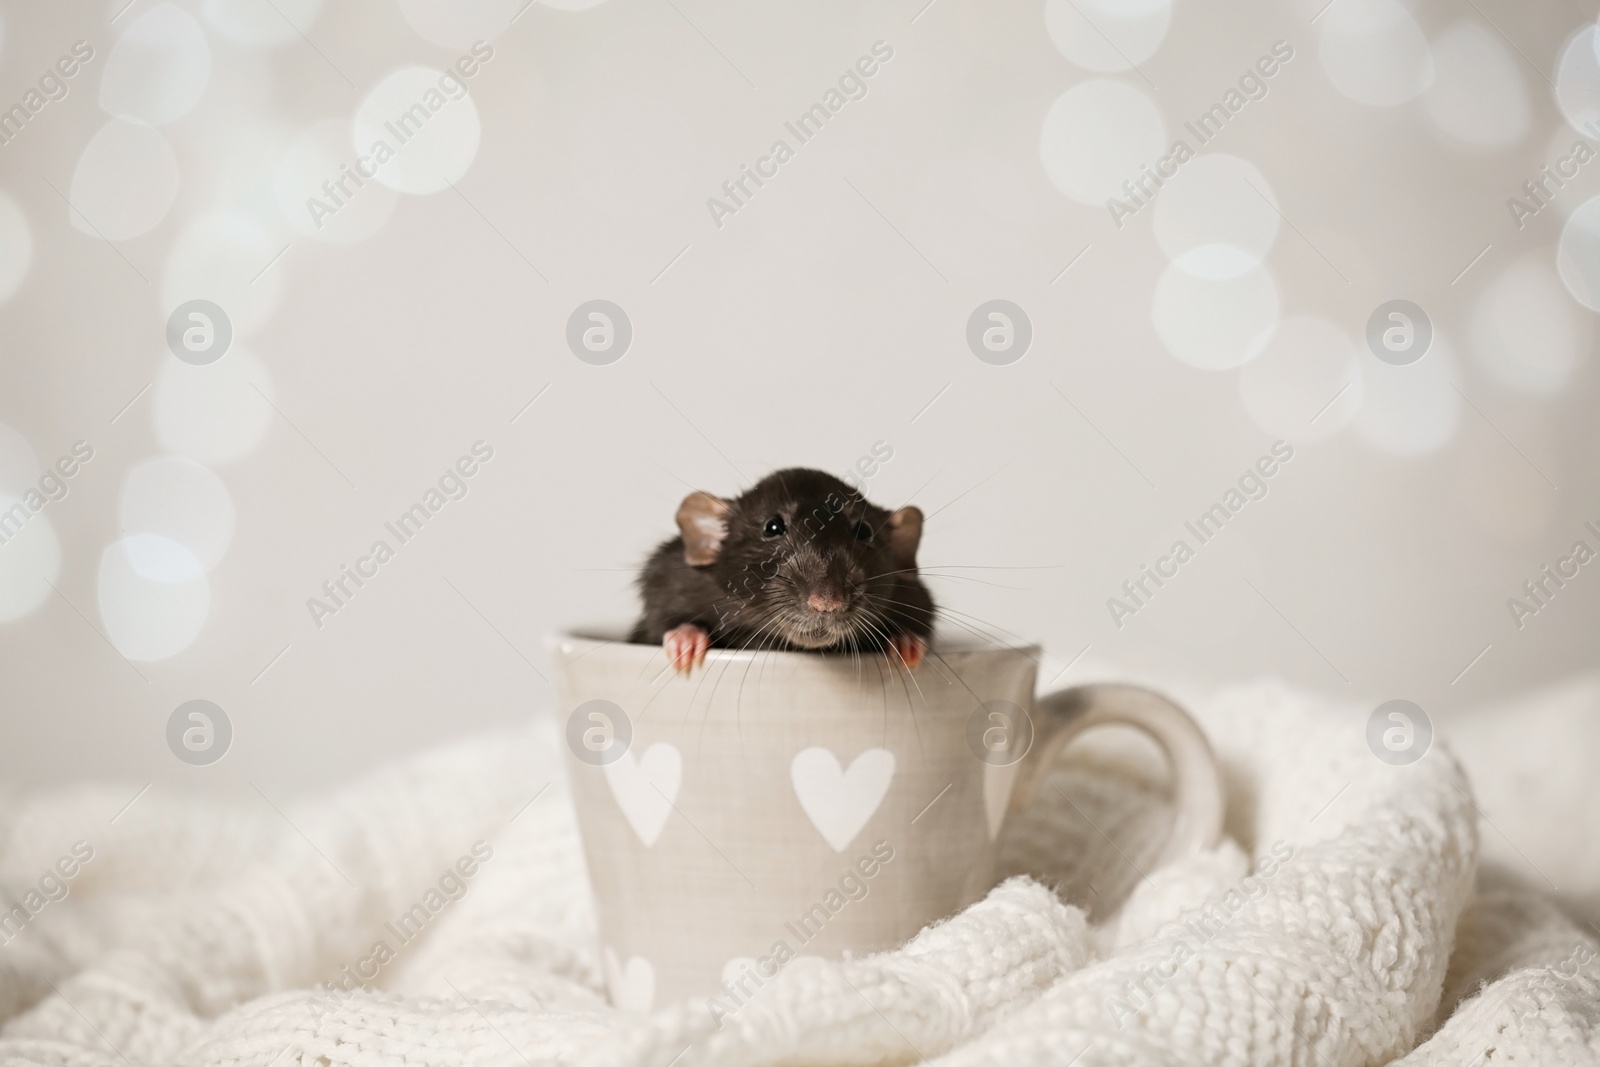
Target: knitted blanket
<point>1344,920</point>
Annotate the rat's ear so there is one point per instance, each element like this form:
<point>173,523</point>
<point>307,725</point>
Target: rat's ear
<point>703,521</point>
<point>905,533</point>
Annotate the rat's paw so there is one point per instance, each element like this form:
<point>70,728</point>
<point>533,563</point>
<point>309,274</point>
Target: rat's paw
<point>686,646</point>
<point>907,649</point>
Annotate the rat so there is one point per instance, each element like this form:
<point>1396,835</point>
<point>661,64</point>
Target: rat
<point>799,561</point>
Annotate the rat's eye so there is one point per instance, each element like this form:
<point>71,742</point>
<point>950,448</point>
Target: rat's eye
<point>775,527</point>
<point>863,532</point>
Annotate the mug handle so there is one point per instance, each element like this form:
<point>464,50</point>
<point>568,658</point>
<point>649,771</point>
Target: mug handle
<point>1197,787</point>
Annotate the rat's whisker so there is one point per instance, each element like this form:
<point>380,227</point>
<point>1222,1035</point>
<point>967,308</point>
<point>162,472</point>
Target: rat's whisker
<point>953,620</point>
<point>954,614</point>
<point>974,581</point>
<point>997,567</point>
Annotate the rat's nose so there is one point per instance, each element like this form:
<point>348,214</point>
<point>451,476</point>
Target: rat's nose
<point>825,602</point>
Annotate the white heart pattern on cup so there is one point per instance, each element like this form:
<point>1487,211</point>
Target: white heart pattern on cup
<point>633,987</point>
<point>839,802</point>
<point>646,788</point>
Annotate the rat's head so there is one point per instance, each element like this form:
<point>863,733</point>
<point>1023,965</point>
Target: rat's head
<point>803,557</point>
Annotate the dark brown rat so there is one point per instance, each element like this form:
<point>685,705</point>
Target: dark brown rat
<point>798,561</point>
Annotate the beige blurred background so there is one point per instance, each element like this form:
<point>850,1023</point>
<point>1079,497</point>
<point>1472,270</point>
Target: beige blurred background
<point>829,313</point>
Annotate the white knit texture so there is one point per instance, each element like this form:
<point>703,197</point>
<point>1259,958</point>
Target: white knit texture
<point>200,932</point>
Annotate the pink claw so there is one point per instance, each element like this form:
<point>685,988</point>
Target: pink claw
<point>686,647</point>
<point>908,649</point>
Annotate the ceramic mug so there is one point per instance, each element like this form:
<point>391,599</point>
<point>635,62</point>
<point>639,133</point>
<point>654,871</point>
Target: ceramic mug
<point>782,804</point>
